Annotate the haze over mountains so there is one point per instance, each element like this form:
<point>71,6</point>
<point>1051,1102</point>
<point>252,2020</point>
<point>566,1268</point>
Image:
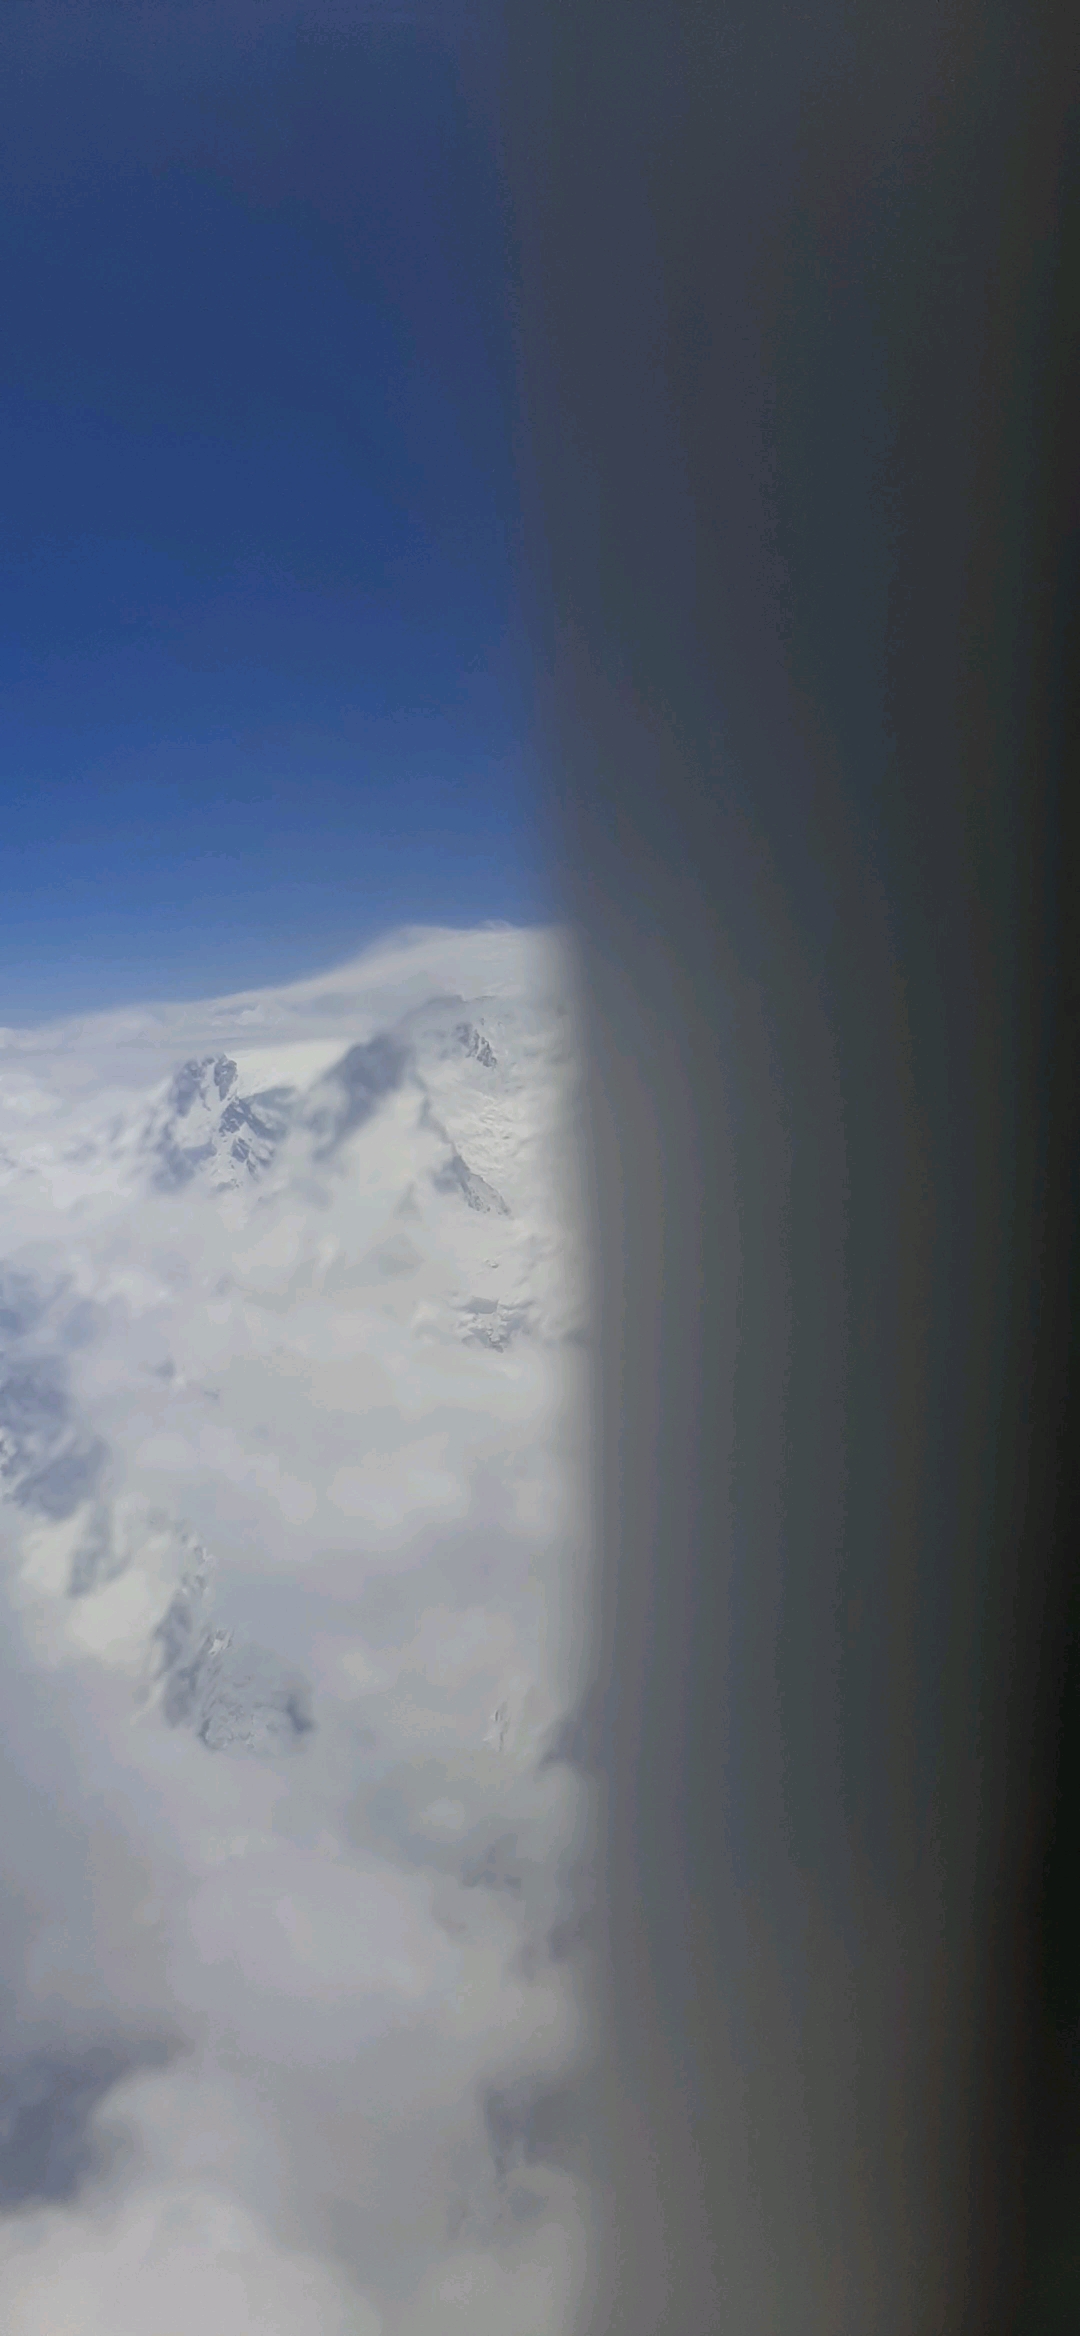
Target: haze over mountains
<point>293,1332</point>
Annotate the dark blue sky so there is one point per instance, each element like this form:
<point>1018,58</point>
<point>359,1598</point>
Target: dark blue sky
<point>262,687</point>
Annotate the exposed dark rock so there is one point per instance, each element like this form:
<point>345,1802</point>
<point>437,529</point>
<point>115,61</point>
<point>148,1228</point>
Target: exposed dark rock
<point>243,1130</point>
<point>457,1176</point>
<point>352,1092</point>
<point>236,1698</point>
<point>190,1081</point>
<point>97,1559</point>
<point>472,1042</point>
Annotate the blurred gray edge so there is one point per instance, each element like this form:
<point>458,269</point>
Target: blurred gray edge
<point>798,399</point>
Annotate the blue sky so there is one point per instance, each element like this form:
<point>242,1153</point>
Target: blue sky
<point>262,681</point>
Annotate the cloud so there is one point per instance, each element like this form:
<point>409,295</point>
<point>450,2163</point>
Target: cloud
<point>294,1982</point>
<point>171,2259</point>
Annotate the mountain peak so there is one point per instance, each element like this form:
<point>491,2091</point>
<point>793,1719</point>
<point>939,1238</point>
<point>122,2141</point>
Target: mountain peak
<point>204,1122</point>
<point>190,1084</point>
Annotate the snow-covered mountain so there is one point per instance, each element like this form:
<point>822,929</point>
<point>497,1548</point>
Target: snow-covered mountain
<point>203,1125</point>
<point>293,1328</point>
<point>413,1178</point>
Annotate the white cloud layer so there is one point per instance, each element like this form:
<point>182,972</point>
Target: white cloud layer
<point>293,1328</point>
